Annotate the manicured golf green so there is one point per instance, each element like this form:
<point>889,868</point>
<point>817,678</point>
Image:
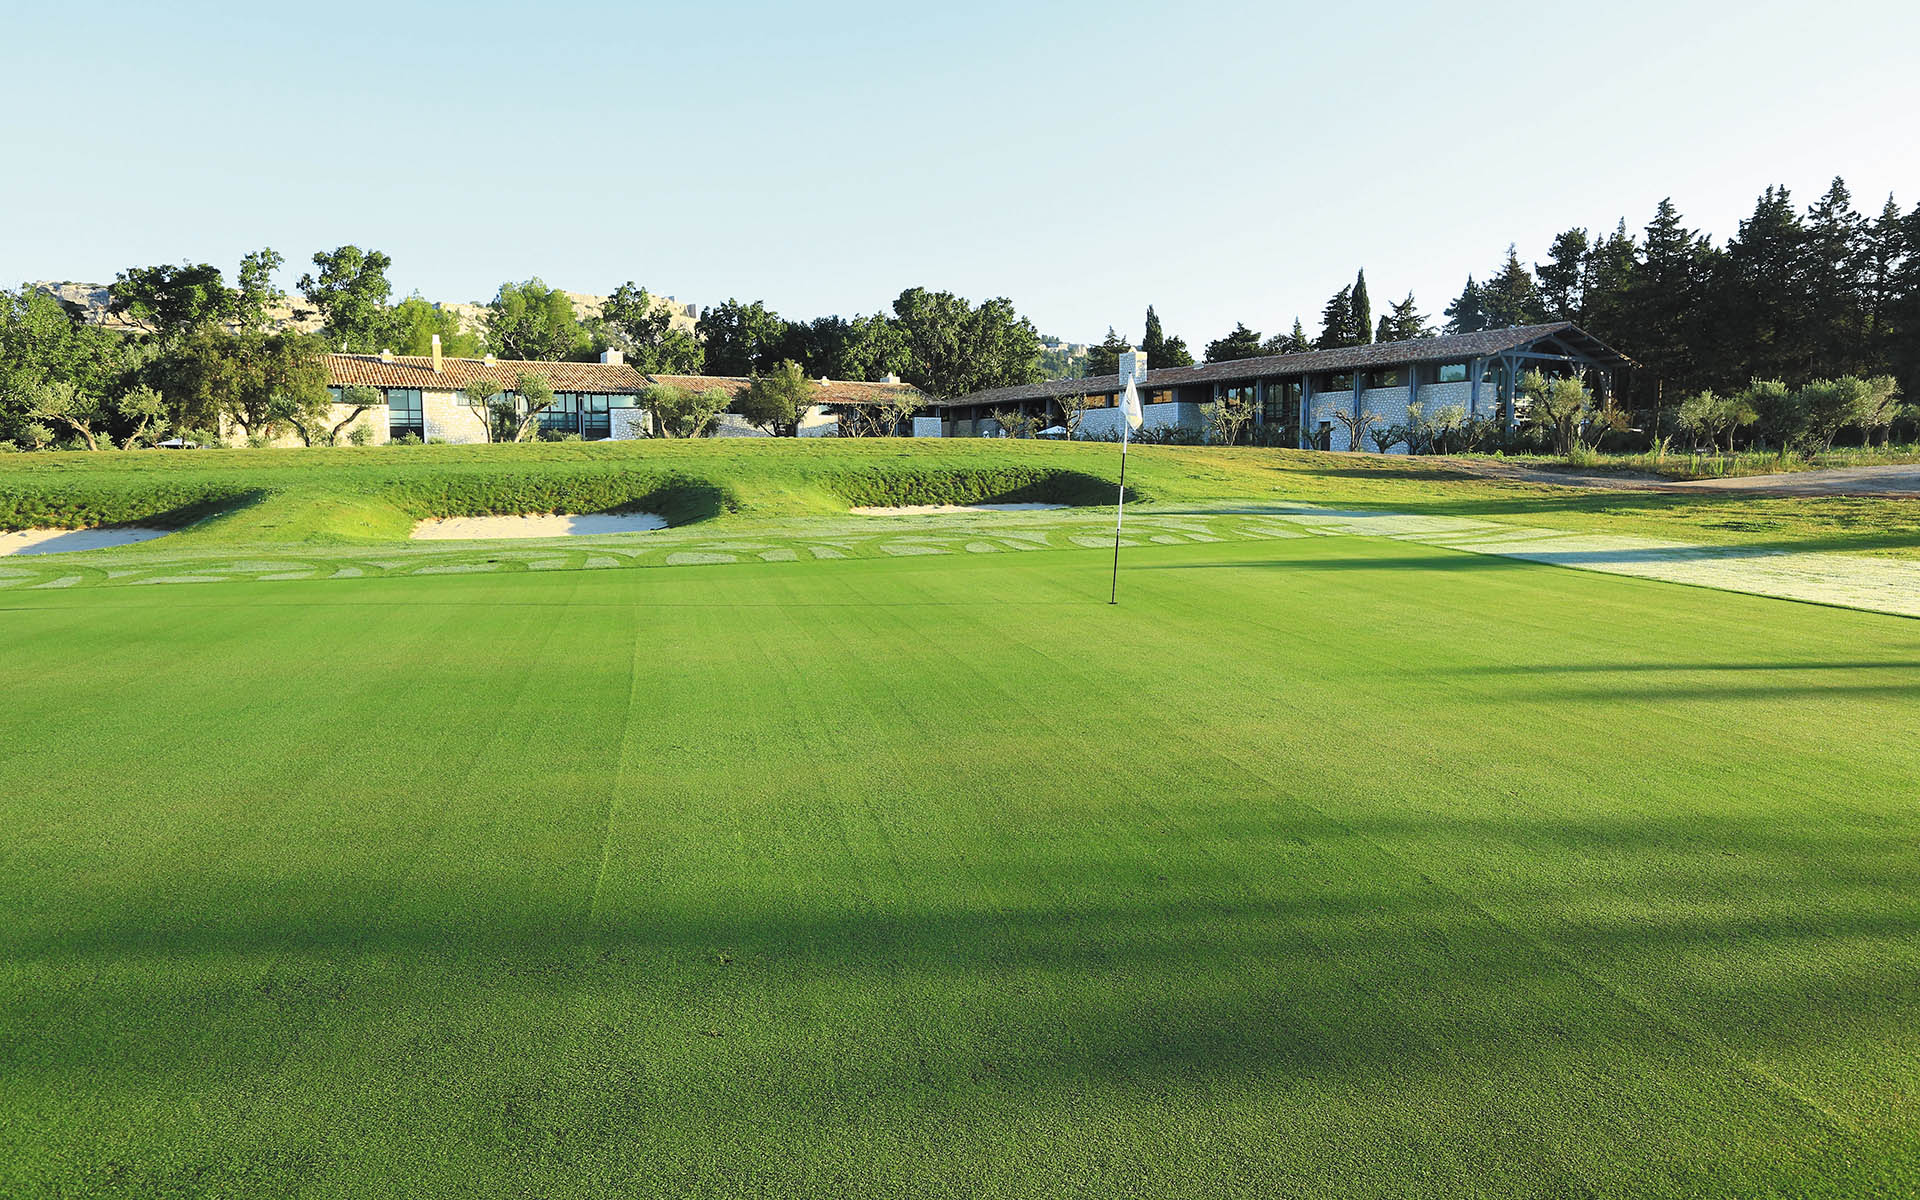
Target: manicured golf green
<point>1318,867</point>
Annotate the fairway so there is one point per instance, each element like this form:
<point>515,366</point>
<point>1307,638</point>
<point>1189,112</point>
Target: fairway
<point>1322,866</point>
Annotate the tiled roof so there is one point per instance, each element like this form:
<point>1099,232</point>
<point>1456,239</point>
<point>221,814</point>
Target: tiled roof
<point>1340,361</point>
<point>416,371</point>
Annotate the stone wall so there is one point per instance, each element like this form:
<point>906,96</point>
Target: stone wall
<point>1105,422</point>
<point>629,424</point>
<point>449,418</point>
<point>1436,396</point>
<point>926,427</point>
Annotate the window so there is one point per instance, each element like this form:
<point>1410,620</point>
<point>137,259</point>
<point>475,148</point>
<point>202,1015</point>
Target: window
<point>1451,373</point>
<point>562,416</point>
<point>1100,401</point>
<point>594,421</point>
<point>1392,377</point>
<point>1242,394</point>
<point>1158,396</point>
<point>1282,405</point>
<point>1336,383</point>
<point>404,415</point>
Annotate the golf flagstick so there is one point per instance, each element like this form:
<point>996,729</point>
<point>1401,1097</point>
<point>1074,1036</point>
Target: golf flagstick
<point>1130,418</point>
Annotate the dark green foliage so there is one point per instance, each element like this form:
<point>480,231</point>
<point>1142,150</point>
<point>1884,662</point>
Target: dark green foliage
<point>1468,312</point>
<point>1103,357</point>
<point>1360,324</point>
<point>1240,343</point>
<point>534,322</point>
<point>778,400</point>
<point>740,338</point>
<point>954,347</point>
<point>1563,278</point>
<point>1162,351</point>
<point>1403,322</point>
<point>350,293</point>
<point>1336,321</point>
<point>1511,297</point>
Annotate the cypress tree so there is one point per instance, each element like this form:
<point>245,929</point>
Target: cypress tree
<point>1163,351</point>
<point>1361,327</point>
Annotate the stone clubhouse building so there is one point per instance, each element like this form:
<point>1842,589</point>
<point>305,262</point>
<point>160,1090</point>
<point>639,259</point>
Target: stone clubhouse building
<point>1479,372</point>
<point>421,396</point>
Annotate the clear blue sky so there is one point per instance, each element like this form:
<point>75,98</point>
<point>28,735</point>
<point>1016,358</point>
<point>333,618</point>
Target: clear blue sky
<point>1231,161</point>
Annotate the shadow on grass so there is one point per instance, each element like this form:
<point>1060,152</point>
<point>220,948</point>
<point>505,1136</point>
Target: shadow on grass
<point>1594,978</point>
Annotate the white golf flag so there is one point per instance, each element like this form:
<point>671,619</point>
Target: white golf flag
<point>1130,406</point>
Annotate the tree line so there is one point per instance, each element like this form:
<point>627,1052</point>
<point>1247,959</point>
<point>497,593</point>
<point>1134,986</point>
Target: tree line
<point>196,352</point>
<point>1795,296</point>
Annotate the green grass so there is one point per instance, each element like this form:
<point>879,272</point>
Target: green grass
<point>268,499</point>
<point>1317,867</point>
<point>1680,463</point>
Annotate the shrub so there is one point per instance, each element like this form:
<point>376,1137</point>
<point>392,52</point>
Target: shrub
<point>359,435</point>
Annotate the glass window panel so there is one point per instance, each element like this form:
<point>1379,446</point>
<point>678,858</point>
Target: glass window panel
<point>1452,373</point>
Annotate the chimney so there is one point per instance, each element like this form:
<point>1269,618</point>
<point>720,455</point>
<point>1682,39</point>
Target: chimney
<point>436,354</point>
<point>612,357</point>
<point>491,360</point>
<point>892,378</point>
<point>386,355</point>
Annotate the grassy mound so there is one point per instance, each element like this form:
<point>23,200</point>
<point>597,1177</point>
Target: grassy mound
<point>352,495</point>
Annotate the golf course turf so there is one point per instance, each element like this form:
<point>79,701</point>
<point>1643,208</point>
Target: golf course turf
<point>1319,866</point>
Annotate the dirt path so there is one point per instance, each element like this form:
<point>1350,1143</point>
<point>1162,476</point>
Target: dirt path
<point>1892,481</point>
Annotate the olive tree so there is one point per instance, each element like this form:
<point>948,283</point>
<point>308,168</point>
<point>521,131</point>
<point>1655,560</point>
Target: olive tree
<point>682,412</point>
<point>778,399</point>
<point>491,403</point>
<point>536,397</point>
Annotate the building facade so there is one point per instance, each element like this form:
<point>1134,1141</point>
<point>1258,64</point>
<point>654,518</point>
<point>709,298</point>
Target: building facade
<point>1299,395</point>
<point>423,398</point>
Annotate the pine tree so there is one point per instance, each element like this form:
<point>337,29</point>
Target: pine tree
<point>1360,327</point>
<point>1610,266</point>
<point>1886,251</point>
<point>1468,313</point>
<point>1761,310</point>
<point>1837,253</point>
<point>1241,343</point>
<point>1336,321</point>
<point>1563,277</point>
<point>1511,297</point>
<point>1104,358</point>
<point>1403,322</point>
<point>1288,343</point>
<point>1662,317</point>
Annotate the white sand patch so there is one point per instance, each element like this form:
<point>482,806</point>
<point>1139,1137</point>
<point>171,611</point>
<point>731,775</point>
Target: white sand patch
<point>534,525</point>
<point>921,510</point>
<point>60,541</point>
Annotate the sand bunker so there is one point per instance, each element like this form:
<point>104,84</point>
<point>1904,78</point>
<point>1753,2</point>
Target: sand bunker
<point>60,541</point>
<point>916,510</point>
<point>534,525</point>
